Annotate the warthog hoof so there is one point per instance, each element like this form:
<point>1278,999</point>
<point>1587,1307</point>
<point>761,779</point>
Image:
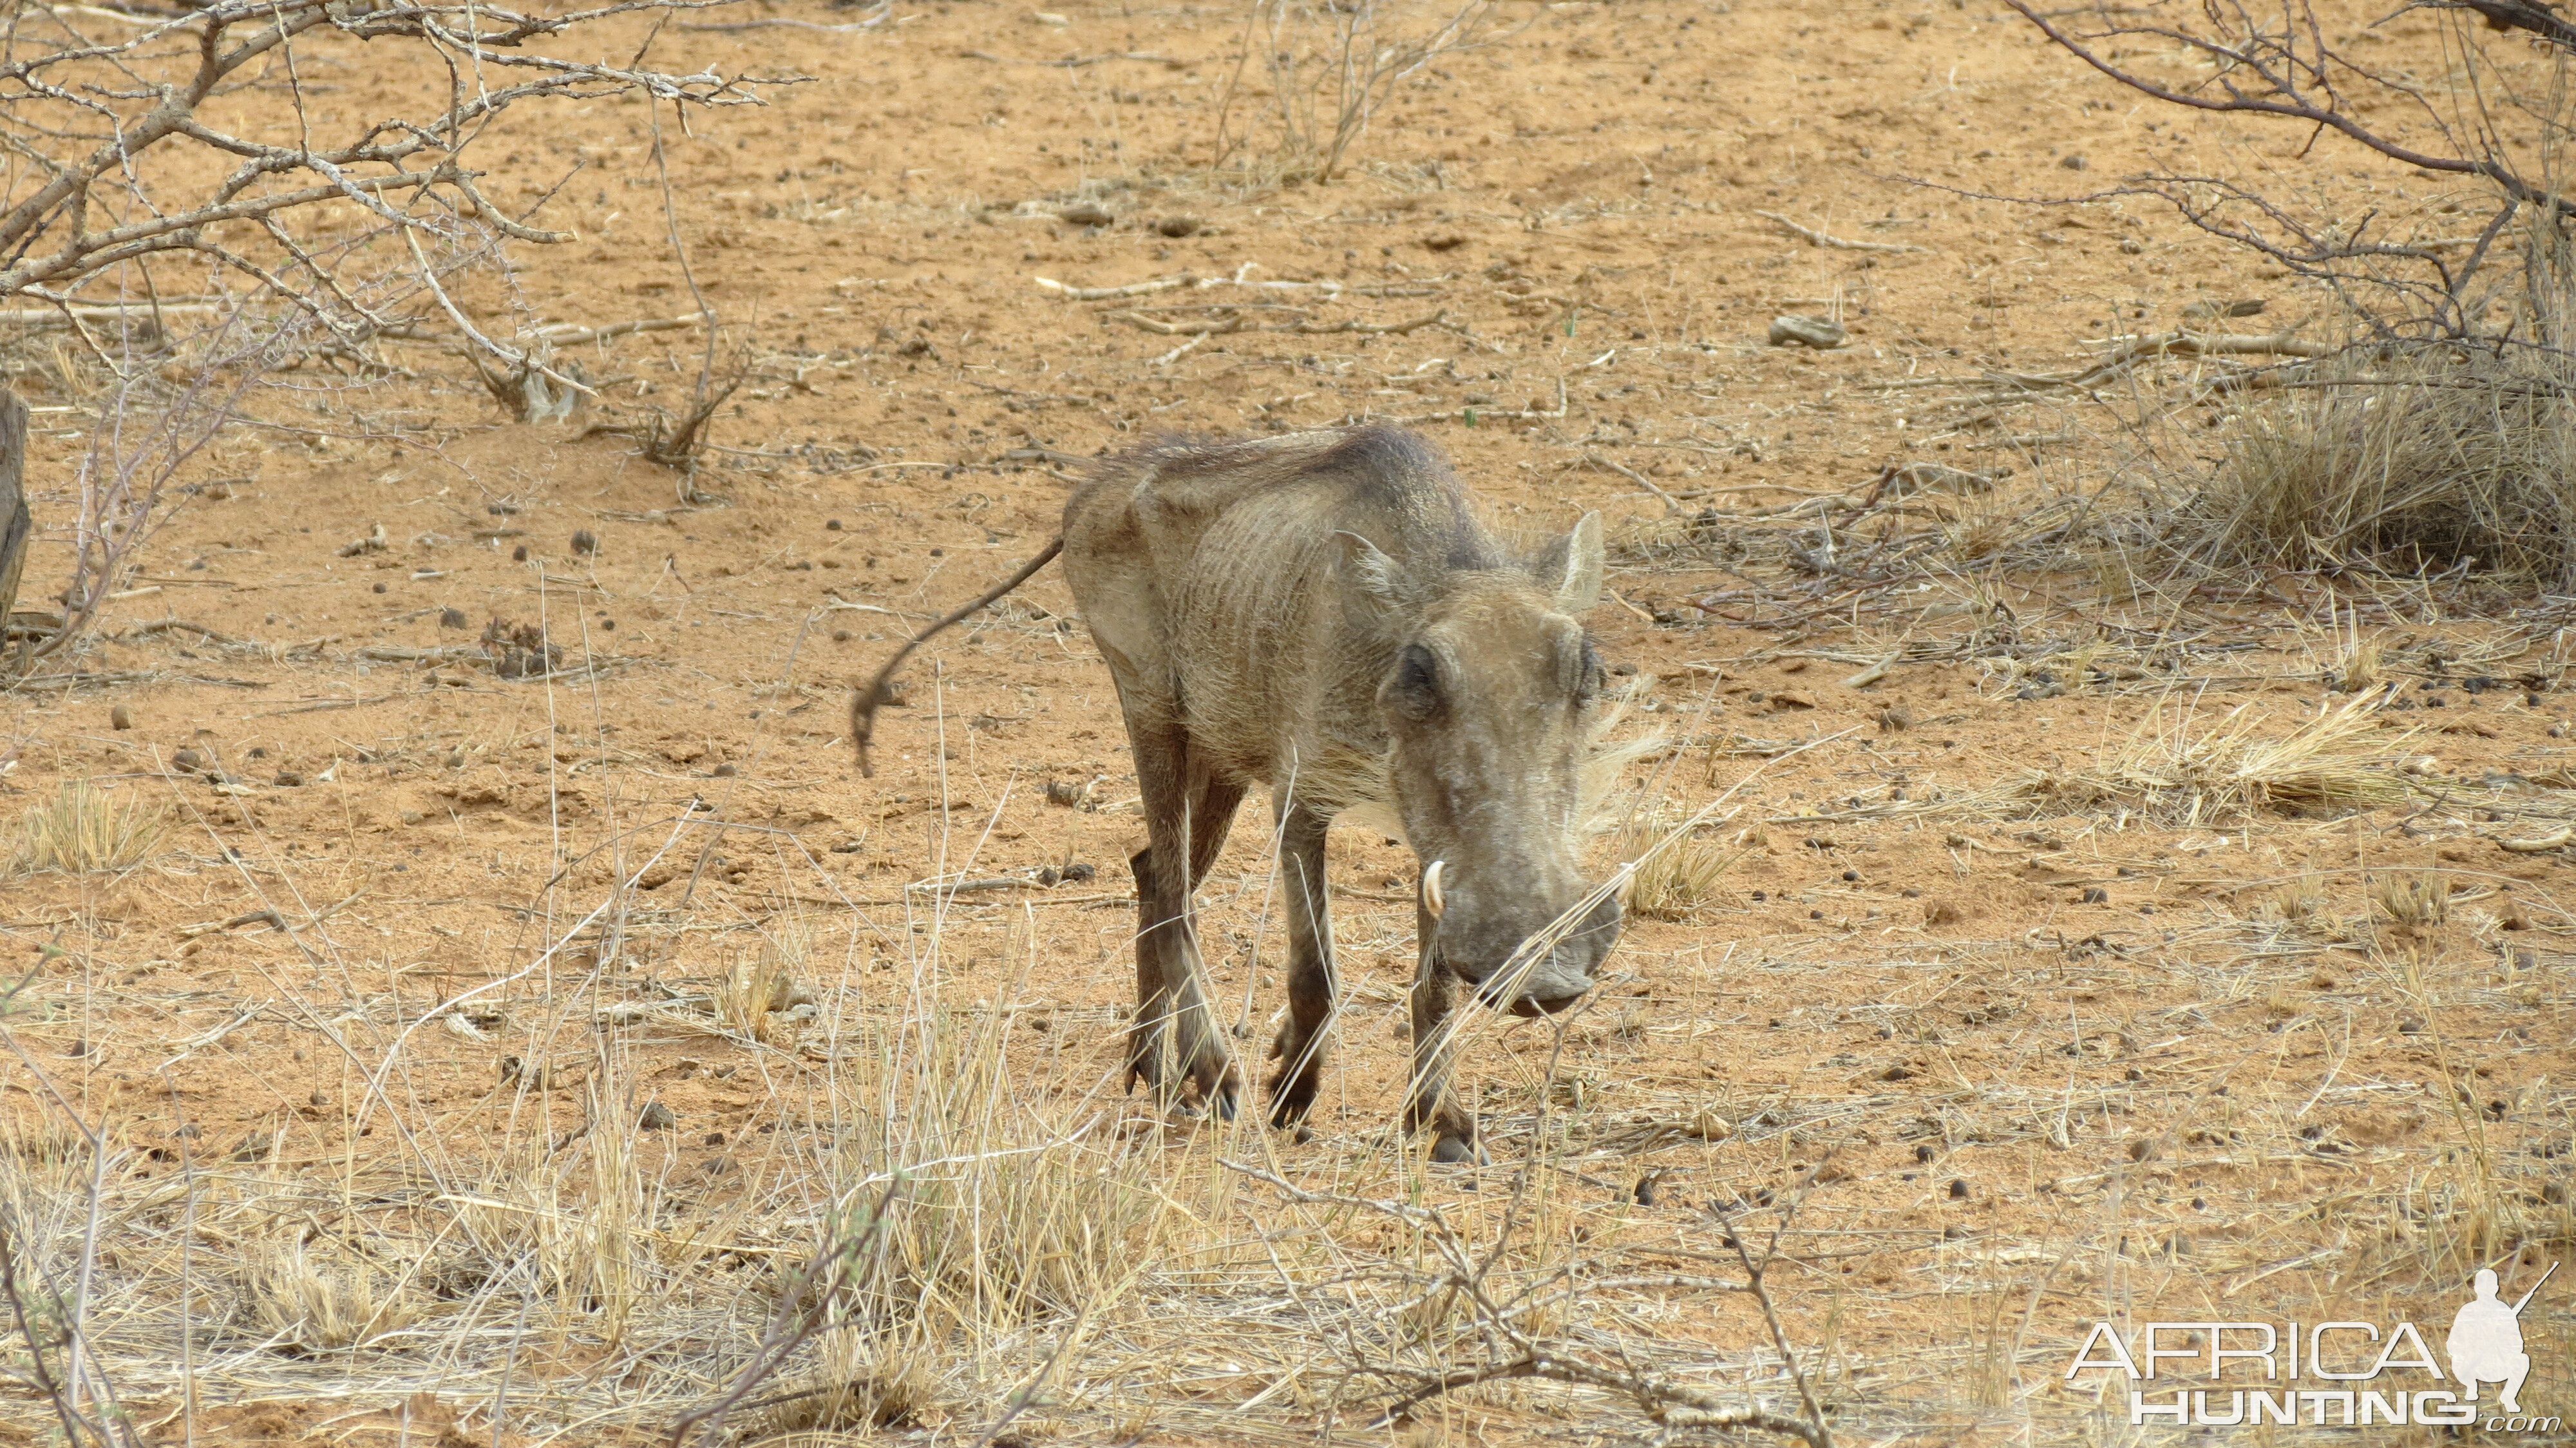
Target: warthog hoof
<point>1454,1150</point>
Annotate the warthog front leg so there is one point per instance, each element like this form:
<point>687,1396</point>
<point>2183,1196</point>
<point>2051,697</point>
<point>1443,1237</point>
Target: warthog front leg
<point>1312,987</point>
<point>1428,1102</point>
<point>1186,818</point>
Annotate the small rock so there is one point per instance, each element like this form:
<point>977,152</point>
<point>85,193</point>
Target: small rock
<point>1177,227</point>
<point>288,779</point>
<point>656,1117</point>
<point>451,618</point>
<point>723,771</point>
<point>187,761</point>
<point>1067,793</point>
<point>1958,1189</point>
<point>1443,241</point>
<point>1817,332</point>
<point>1085,213</point>
<point>120,717</point>
<point>585,541</point>
<point>2073,163</point>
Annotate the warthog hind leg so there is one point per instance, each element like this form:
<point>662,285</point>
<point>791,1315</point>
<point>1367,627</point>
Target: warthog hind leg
<point>1187,815</point>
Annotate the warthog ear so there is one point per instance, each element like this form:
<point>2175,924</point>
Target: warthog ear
<point>1570,567</point>
<point>1365,567</point>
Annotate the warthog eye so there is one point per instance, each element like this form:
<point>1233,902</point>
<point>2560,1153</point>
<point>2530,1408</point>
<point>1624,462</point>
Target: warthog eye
<point>1416,688</point>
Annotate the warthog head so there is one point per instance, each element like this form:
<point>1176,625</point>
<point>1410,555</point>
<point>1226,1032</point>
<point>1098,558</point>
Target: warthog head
<point>1490,709</point>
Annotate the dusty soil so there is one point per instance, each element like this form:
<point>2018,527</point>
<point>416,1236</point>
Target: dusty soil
<point>2033,1066</point>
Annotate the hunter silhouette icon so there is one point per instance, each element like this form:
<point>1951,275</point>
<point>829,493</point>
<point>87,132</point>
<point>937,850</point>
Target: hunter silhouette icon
<point>2486,1340</point>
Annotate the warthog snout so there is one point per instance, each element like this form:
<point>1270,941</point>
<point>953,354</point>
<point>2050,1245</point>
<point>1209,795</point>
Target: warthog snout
<point>1514,952</point>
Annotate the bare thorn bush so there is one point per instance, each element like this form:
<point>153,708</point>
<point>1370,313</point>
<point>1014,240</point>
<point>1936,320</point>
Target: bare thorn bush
<point>1312,76</point>
<point>84,829</point>
<point>286,236</point>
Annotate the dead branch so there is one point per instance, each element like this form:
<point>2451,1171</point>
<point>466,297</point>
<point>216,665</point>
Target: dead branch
<point>1818,238</point>
<point>2287,70</point>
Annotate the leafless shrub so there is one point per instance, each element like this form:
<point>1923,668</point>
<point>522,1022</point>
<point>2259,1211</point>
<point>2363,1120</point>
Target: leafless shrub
<point>1313,75</point>
<point>2439,441</point>
<point>172,171</point>
<point>2501,123</point>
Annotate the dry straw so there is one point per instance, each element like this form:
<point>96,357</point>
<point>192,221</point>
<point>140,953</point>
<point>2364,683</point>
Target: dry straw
<point>2172,776</point>
<point>2421,460</point>
<point>84,829</point>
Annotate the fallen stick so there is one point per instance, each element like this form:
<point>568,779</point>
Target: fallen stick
<point>1873,673</point>
<point>1180,329</point>
<point>1375,329</point>
<point>566,335</point>
<point>1132,289</point>
<point>1631,474</point>
<point>1818,238</point>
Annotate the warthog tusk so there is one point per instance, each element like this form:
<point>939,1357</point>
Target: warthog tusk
<point>2549,841</point>
<point>1432,900</point>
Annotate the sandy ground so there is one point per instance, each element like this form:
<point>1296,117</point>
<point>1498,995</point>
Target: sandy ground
<point>2035,1064</point>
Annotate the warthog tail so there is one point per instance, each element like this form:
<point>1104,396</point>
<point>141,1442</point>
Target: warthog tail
<point>863,708</point>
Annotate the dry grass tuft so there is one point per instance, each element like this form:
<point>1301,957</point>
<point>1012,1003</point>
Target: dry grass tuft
<point>2295,903</point>
<point>2430,459</point>
<point>2415,901</point>
<point>84,829</point>
<point>318,1297</point>
<point>755,990</point>
<point>2357,669</point>
<point>1677,879</point>
<point>2167,775</point>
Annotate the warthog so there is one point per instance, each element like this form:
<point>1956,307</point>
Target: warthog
<point>1322,613</point>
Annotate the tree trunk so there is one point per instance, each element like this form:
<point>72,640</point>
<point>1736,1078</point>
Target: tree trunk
<point>15,524</point>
